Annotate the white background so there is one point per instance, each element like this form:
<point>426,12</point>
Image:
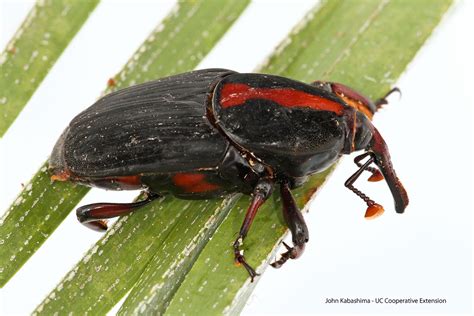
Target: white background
<point>426,252</point>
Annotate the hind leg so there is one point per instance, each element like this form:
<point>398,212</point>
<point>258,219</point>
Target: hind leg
<point>93,215</point>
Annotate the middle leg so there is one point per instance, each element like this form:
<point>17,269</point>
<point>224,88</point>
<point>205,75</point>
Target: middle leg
<point>295,222</point>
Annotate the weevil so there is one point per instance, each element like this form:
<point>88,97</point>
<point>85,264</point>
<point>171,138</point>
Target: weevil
<point>208,133</point>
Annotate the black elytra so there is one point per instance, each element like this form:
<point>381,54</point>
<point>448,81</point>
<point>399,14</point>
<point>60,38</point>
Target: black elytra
<point>207,133</point>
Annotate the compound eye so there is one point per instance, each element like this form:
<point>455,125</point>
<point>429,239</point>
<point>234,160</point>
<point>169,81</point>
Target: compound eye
<point>363,133</point>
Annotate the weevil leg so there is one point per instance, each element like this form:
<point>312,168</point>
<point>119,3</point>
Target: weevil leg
<point>295,222</point>
<point>93,215</point>
<point>382,101</point>
<point>373,210</point>
<point>261,192</point>
<point>376,174</point>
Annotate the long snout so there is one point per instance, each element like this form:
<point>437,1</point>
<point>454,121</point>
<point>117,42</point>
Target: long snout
<point>382,159</point>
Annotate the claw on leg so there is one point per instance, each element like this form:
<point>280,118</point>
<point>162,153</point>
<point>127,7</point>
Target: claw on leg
<point>240,260</point>
<point>261,192</point>
<point>295,222</point>
<point>382,101</point>
<point>291,253</point>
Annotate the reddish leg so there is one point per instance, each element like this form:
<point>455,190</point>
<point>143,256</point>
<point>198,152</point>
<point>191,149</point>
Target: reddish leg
<point>261,192</point>
<point>373,210</point>
<point>93,215</point>
<point>295,222</point>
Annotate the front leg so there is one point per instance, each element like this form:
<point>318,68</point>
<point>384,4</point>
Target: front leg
<point>260,194</point>
<point>295,222</point>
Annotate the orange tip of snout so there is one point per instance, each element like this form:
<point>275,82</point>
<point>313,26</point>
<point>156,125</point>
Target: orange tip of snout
<point>374,211</point>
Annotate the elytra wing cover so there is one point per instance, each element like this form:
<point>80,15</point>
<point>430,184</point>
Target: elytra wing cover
<point>155,127</point>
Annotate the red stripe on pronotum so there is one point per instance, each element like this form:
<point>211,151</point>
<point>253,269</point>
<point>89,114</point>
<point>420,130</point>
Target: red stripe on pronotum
<point>233,94</point>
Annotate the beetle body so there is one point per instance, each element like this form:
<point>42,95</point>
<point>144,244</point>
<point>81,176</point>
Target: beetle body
<point>208,133</point>
<point>159,134</point>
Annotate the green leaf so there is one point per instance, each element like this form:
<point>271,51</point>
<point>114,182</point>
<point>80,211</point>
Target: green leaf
<point>170,42</point>
<point>37,44</point>
<point>32,218</point>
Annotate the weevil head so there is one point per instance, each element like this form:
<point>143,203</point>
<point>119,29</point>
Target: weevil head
<point>362,135</point>
<point>379,151</point>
